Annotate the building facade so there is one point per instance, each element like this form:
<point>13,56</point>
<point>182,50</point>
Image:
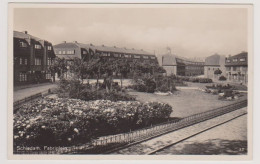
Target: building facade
<point>175,65</point>
<point>212,64</point>
<point>32,57</point>
<point>72,50</point>
<point>237,67</point>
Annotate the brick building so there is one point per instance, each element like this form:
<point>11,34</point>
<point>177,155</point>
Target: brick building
<point>32,57</point>
<point>70,50</point>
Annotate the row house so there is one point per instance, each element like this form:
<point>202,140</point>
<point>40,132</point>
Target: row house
<point>32,57</point>
<point>71,50</point>
<point>175,65</point>
<point>237,68</point>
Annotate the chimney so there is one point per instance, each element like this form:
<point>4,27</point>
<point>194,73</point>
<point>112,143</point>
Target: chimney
<point>25,32</point>
<point>64,41</point>
<point>132,48</point>
<point>75,42</point>
<point>91,44</point>
<point>103,45</point>
<point>114,46</point>
<point>141,49</point>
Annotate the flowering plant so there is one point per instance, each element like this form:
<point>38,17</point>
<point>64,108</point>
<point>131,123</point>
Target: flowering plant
<point>64,122</point>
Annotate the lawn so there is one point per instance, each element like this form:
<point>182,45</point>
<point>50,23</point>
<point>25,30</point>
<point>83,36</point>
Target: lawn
<point>185,102</point>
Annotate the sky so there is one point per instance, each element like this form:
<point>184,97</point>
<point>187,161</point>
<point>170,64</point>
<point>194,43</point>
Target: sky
<point>189,32</point>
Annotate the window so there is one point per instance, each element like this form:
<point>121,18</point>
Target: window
<point>127,56</point>
<point>137,56</point>
<point>84,52</point>
<point>37,46</point>
<point>70,52</point>
<point>38,61</point>
<point>228,68</point>
<point>242,59</point>
<point>59,52</point>
<point>23,44</point>
<point>22,76</point>
<point>49,48</point>
<point>48,76</point>
<point>21,61</point>
<point>145,57</point>
<point>116,55</point>
<point>25,61</point>
<point>209,69</point>
<point>63,52</point>
<point>234,60</point>
<point>228,61</point>
<point>234,68</point>
<point>49,61</point>
<point>153,57</point>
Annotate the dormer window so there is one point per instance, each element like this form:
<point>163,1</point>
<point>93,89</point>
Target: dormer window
<point>70,52</point>
<point>49,48</point>
<point>145,57</point>
<point>136,56</point>
<point>242,59</point>
<point>37,46</point>
<point>234,60</point>
<point>228,61</point>
<point>23,44</point>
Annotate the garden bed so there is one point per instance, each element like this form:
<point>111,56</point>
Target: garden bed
<point>65,122</point>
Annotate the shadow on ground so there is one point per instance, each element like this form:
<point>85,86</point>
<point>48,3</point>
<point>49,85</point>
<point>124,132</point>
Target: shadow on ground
<point>209,147</point>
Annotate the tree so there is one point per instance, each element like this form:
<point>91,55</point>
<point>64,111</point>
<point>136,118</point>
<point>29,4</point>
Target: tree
<point>59,66</point>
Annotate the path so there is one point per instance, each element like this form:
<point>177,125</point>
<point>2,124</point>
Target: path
<point>22,93</point>
<point>150,146</point>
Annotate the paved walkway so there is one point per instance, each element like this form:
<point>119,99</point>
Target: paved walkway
<point>22,93</point>
<point>177,136</point>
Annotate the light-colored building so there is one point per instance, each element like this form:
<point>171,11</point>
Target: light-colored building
<point>213,63</point>
<point>237,67</point>
<point>175,65</point>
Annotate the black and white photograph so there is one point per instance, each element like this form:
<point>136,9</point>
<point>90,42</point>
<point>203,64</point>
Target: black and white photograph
<point>114,80</point>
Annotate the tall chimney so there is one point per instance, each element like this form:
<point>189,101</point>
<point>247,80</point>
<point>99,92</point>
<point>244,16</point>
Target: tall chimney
<point>25,32</point>
<point>64,41</point>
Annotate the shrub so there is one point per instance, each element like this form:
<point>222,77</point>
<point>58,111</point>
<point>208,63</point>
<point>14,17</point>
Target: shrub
<point>62,122</point>
<point>222,78</point>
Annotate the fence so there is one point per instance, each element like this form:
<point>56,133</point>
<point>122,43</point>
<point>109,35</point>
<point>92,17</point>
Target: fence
<point>108,143</point>
<point>18,103</point>
<point>147,133</point>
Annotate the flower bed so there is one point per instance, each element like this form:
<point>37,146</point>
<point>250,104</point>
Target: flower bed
<point>63,122</point>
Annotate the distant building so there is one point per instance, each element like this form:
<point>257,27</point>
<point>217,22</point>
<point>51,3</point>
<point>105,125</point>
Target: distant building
<point>237,67</point>
<point>183,67</point>
<point>32,57</point>
<point>87,51</point>
<point>213,63</point>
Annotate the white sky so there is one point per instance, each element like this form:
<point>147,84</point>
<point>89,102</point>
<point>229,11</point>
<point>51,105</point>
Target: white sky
<point>190,32</point>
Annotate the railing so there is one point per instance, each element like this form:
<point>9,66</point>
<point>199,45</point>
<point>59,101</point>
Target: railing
<point>147,133</point>
<point>108,144</point>
<point>18,103</point>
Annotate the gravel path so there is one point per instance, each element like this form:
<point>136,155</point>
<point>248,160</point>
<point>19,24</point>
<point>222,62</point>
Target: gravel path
<point>177,136</point>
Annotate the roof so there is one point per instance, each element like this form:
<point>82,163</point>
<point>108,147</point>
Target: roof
<point>238,57</point>
<point>66,45</point>
<point>213,60</point>
<point>171,60</point>
<point>168,60</point>
<point>22,35</point>
<point>102,48</point>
